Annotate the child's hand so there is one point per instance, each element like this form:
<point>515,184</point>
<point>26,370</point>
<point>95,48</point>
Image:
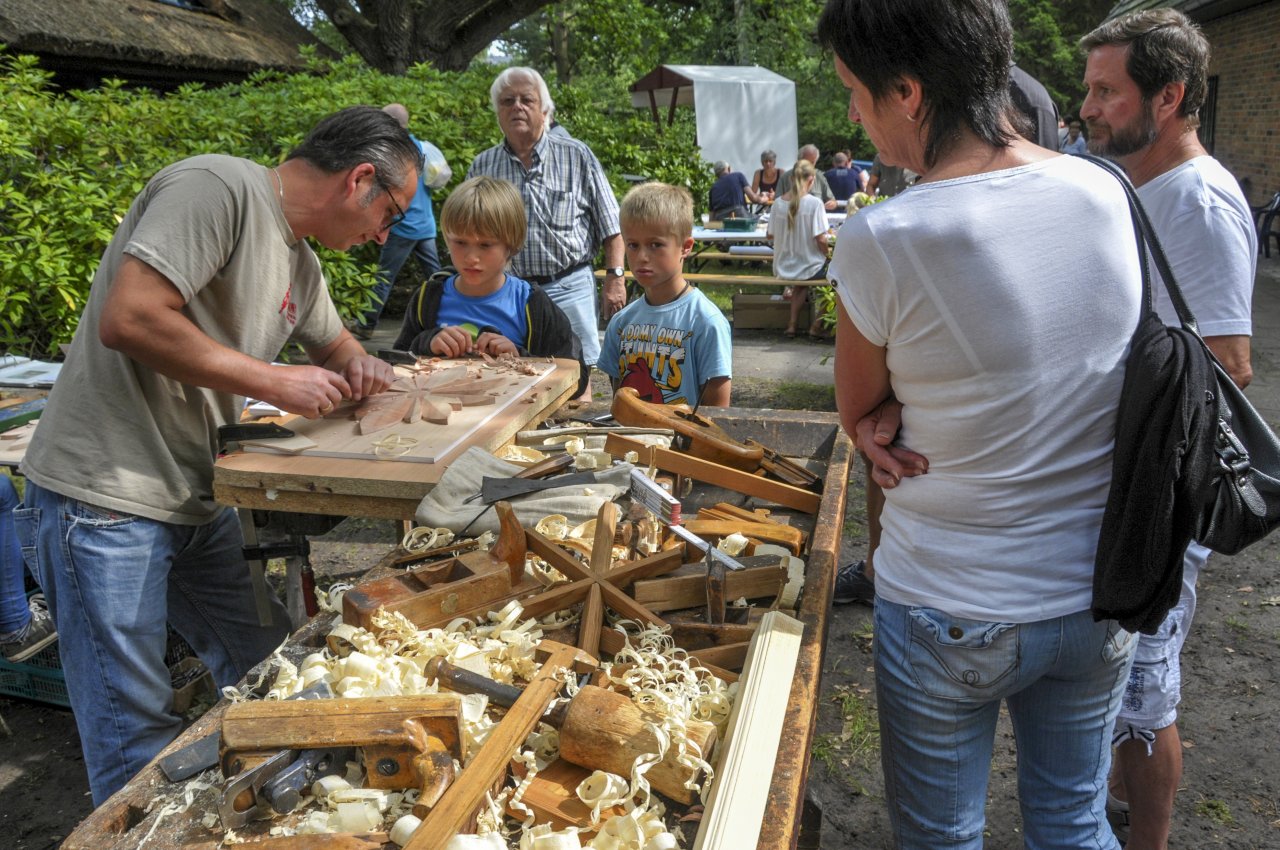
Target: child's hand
<point>496,345</point>
<point>451,341</point>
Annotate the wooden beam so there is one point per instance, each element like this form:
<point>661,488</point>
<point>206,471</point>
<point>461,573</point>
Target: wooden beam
<point>674,592</point>
<point>713,473</point>
<point>739,793</point>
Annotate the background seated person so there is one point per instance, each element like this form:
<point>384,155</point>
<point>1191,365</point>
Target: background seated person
<point>728,193</point>
<point>481,308</point>
<point>671,345</point>
<point>798,231</point>
<point>765,181</point>
<point>1074,142</point>
<point>820,188</point>
<point>843,177</point>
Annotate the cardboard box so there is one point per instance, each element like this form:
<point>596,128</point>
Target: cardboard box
<point>767,310</point>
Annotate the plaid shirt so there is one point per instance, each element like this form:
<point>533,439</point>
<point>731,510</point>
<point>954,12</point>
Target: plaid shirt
<point>569,202</point>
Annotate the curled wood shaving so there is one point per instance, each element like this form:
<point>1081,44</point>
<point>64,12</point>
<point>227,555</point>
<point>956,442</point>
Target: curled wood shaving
<point>421,538</point>
<point>393,446</point>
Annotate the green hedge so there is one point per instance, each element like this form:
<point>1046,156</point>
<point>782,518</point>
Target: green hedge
<point>70,163</point>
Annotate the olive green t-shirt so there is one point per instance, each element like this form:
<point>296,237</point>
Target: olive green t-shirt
<point>123,437</point>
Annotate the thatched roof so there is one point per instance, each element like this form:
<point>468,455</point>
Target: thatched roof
<point>158,42</point>
<point>1196,10</point>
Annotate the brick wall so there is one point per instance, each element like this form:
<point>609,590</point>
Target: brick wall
<point>1246,60</point>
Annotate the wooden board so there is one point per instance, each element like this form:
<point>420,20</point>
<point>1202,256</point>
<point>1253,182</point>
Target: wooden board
<point>736,803</point>
<point>342,438</point>
<point>369,487</point>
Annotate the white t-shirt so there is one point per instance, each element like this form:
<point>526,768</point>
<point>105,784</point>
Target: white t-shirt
<point>123,437</point>
<point>1206,229</point>
<point>1006,321</point>
<point>796,256</point>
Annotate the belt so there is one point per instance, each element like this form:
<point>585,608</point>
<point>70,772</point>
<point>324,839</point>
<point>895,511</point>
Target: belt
<point>544,279</point>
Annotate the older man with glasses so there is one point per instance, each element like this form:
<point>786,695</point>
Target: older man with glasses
<point>570,206</point>
<point>208,277</point>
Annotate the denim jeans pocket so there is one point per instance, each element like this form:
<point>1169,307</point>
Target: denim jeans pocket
<point>87,514</point>
<point>1118,643</point>
<point>26,522</point>
<point>955,658</point>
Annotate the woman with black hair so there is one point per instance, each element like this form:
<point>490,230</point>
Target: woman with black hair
<point>1000,324</point>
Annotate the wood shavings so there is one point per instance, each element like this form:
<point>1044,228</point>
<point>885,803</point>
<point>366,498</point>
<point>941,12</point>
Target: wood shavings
<point>543,837</point>
<point>555,526</point>
<point>733,545</point>
<point>602,790</point>
<point>521,454</point>
<point>393,446</point>
<point>421,538</point>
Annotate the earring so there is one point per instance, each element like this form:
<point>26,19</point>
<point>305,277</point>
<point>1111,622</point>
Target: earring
<point>911,118</point>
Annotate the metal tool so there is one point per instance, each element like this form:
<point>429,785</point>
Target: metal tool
<point>666,508</point>
<point>498,489</point>
<point>541,469</point>
<point>241,431</point>
<point>397,358</point>
<point>277,785</point>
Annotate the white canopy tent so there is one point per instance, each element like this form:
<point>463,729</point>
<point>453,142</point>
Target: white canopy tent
<point>740,111</point>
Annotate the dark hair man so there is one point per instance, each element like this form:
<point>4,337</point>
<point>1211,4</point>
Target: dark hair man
<point>1146,76</point>
<point>207,278</point>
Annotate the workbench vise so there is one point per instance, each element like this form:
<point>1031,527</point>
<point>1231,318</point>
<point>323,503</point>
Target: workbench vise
<point>272,750</point>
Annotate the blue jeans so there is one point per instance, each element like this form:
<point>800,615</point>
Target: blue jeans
<point>575,294</point>
<point>13,595</point>
<point>112,581</point>
<point>939,683</point>
<point>395,253</point>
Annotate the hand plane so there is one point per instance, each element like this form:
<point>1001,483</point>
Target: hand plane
<point>700,437</point>
<point>435,593</point>
<point>273,750</point>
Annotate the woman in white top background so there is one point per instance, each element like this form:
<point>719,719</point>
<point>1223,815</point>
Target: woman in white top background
<point>798,231</point>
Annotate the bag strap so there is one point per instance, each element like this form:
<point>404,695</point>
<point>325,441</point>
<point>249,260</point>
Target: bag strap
<point>1148,241</point>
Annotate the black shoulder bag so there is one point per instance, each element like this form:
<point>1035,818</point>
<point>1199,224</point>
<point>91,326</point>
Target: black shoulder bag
<point>1193,459</point>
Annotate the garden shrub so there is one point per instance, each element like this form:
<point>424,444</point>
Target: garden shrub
<point>71,163</point>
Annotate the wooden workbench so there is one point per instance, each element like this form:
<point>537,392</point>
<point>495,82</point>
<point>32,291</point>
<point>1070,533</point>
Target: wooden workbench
<point>122,821</point>
<point>379,489</point>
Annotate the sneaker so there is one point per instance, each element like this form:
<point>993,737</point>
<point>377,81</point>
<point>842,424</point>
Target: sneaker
<point>852,585</point>
<point>1118,818</point>
<point>38,633</point>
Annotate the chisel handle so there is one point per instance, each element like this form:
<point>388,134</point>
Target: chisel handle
<point>463,681</point>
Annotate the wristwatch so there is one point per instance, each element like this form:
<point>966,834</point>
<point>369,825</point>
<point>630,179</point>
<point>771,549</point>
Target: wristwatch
<point>614,271</point>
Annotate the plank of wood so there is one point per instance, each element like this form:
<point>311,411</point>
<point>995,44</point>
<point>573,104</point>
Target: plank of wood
<point>288,445</point>
<point>735,806</point>
<point>673,592</point>
<point>552,795</point>
<point>766,532</point>
<point>713,473</point>
<point>340,438</point>
<point>455,808</point>
<point>368,486</point>
<point>322,841</point>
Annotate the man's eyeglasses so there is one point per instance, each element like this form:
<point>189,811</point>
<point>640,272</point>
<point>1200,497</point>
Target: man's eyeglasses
<point>399,216</point>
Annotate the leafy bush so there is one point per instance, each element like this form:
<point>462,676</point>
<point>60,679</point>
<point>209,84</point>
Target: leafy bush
<point>70,164</point>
